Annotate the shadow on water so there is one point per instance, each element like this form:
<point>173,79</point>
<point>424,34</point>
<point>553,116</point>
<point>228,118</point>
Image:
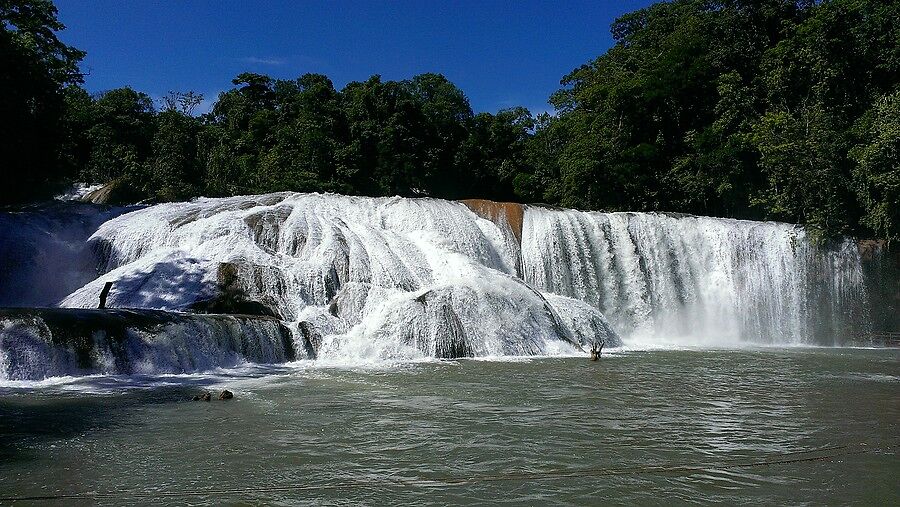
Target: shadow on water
<point>31,419</point>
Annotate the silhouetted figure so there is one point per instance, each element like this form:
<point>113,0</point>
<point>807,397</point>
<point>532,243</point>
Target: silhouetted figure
<point>596,350</point>
<point>103,293</point>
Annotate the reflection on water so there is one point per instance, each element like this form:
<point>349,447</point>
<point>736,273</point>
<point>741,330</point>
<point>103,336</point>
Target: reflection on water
<point>553,429</point>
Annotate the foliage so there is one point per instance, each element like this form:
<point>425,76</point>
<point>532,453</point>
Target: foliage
<point>877,173</point>
<point>37,70</point>
<point>734,108</point>
<point>763,109</point>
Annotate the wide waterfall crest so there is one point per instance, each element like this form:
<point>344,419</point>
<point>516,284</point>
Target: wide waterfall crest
<point>697,280</point>
<point>356,279</point>
<point>360,277</point>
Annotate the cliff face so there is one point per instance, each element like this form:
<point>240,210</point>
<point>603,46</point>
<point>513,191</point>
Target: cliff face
<point>505,214</point>
<point>509,217</point>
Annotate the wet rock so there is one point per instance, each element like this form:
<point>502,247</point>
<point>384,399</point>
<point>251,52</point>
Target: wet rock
<point>232,297</point>
<point>206,396</point>
<point>225,395</point>
<point>505,214</point>
<point>116,192</point>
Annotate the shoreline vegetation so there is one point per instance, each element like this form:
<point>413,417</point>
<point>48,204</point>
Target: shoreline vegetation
<point>773,110</point>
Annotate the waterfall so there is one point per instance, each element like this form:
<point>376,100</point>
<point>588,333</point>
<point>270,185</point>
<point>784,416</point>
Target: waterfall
<point>698,280</point>
<point>358,279</point>
<point>47,342</point>
<point>44,254</point>
<point>361,278</point>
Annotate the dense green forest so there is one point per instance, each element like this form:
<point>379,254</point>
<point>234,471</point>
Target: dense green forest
<point>763,109</point>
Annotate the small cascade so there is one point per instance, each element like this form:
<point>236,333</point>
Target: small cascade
<point>52,342</point>
<point>44,254</point>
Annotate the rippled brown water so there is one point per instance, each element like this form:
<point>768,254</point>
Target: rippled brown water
<point>654,427</point>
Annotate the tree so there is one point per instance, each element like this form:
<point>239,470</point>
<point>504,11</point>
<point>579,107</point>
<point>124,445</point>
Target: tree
<point>37,69</point>
<point>494,153</point>
<point>307,133</point>
<point>239,130</point>
<point>742,108</point>
<point>537,180</point>
<point>174,170</point>
<point>447,119</point>
<point>876,177</point>
<point>184,103</point>
<point>386,149</point>
<point>120,136</point>
<point>729,107</point>
<point>815,91</point>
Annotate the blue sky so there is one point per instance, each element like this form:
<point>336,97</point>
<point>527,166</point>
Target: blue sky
<point>501,53</point>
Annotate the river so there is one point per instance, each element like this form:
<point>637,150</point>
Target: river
<point>759,425</point>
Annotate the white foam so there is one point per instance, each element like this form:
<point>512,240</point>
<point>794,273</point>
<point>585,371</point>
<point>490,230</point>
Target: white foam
<point>405,278</point>
<point>666,280</point>
<point>380,281</point>
<point>77,192</point>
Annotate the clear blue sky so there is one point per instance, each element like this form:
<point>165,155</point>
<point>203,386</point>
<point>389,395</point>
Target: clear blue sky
<point>501,53</point>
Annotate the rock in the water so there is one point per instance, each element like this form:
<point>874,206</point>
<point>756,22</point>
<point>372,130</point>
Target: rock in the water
<point>116,192</point>
<point>226,395</point>
<point>206,396</point>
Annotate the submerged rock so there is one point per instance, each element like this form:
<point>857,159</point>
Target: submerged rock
<point>205,396</point>
<point>226,395</point>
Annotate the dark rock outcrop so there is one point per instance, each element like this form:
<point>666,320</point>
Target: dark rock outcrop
<point>231,296</point>
<point>116,192</point>
<point>312,339</point>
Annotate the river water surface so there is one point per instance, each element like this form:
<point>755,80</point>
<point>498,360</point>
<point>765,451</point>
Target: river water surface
<point>761,426</point>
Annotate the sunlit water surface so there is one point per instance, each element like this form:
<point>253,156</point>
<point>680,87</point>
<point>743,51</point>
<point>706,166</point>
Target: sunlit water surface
<point>648,427</point>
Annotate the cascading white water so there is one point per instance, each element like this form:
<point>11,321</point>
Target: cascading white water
<point>359,279</point>
<point>44,253</point>
<point>52,342</point>
<point>365,278</point>
<point>697,280</point>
